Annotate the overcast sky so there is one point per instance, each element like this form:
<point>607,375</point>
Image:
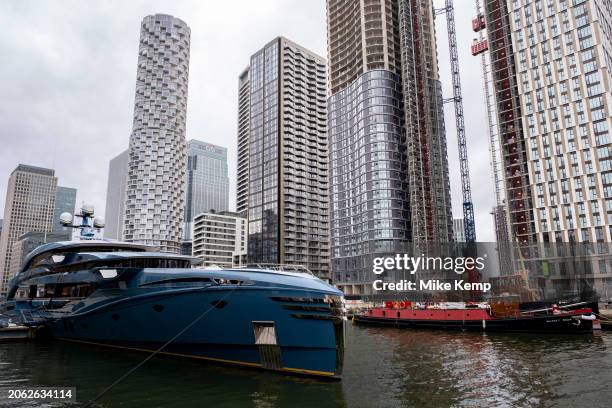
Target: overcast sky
<point>68,73</point>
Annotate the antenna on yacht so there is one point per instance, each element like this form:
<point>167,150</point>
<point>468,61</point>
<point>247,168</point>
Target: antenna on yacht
<point>87,230</point>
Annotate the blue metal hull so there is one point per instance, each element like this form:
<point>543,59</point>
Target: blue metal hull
<point>309,338</point>
<point>133,296</point>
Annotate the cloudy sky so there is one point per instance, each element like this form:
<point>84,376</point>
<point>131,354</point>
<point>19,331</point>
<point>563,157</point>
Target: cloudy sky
<point>69,68</point>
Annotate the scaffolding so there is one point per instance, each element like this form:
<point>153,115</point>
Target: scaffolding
<point>415,97</point>
<point>509,125</point>
<point>479,47</point>
<point>500,210</point>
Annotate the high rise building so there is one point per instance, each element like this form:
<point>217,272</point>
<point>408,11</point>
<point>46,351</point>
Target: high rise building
<point>207,183</point>
<point>287,170</point>
<point>389,169</point>
<point>428,176</point>
<point>115,196</point>
<point>155,194</point>
<point>30,202</point>
<point>65,201</point>
<point>219,237</point>
<point>459,229</point>
<point>244,115</point>
<point>552,84</point>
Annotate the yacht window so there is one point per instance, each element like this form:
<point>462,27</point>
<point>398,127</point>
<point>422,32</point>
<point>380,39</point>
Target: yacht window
<point>182,280</point>
<point>67,291</point>
<point>49,291</point>
<point>154,263</point>
<point>22,292</point>
<point>222,281</point>
<point>61,290</point>
<point>75,290</point>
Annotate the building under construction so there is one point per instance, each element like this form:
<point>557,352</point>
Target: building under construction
<point>547,68</point>
<point>388,155</point>
<point>548,83</point>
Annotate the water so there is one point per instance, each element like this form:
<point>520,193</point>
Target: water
<point>383,368</point>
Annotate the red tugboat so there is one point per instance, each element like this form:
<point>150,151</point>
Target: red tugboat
<point>483,316</point>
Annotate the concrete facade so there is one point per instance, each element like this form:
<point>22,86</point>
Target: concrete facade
<point>219,238</point>
<point>155,194</point>
<point>30,202</point>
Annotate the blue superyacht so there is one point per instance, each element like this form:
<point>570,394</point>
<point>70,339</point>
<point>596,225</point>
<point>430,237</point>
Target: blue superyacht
<point>132,296</point>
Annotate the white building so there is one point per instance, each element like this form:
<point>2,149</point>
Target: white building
<point>155,194</point>
<point>219,238</point>
<point>550,64</point>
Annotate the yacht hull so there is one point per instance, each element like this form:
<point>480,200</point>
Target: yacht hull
<point>292,331</point>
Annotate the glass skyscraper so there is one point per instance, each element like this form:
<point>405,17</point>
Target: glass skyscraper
<point>388,161</point>
<point>207,179</point>
<point>244,114</point>
<point>65,201</point>
<point>285,146</point>
<point>207,183</point>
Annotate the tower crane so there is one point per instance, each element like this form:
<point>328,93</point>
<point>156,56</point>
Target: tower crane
<point>457,99</point>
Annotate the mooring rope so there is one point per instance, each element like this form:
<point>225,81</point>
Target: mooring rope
<point>150,356</point>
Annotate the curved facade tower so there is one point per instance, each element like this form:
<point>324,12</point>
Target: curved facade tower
<point>370,207</point>
<point>155,195</point>
<point>388,168</point>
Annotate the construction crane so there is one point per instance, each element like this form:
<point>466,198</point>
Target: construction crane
<point>479,47</point>
<point>457,99</point>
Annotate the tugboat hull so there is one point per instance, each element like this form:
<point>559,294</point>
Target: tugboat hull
<point>574,321</point>
<point>549,324</point>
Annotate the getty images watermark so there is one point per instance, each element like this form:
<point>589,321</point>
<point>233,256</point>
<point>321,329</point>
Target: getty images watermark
<point>405,262</point>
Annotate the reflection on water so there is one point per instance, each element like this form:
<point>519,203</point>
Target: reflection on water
<point>384,368</point>
<point>427,368</point>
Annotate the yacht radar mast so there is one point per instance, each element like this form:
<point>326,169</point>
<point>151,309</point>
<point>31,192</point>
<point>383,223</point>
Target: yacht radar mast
<point>89,224</point>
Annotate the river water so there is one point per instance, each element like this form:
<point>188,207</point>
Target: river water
<point>384,367</point>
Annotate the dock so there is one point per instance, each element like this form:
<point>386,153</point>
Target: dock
<point>606,319</point>
<point>17,333</point>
